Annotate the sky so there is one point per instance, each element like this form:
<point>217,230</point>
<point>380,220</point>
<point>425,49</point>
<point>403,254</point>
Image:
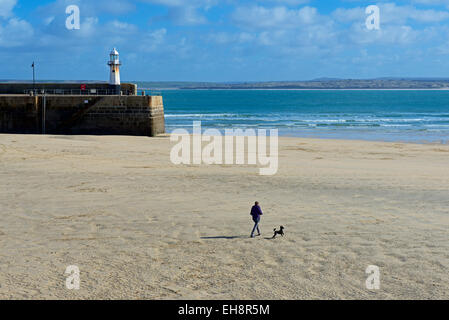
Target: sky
<point>224,41</point>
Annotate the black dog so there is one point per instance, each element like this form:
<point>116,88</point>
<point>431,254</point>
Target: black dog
<point>280,232</point>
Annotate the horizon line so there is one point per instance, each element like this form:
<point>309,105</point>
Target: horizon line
<point>321,79</point>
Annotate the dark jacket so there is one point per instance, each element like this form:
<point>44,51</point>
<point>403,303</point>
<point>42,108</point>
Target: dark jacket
<point>256,212</point>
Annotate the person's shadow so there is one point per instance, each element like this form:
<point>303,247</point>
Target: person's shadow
<point>225,237</point>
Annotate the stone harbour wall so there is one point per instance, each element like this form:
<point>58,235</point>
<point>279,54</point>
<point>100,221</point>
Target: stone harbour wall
<point>102,115</point>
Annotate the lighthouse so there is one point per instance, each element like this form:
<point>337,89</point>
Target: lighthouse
<point>114,77</point>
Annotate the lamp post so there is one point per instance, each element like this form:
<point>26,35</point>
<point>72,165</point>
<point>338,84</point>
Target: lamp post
<point>44,110</point>
<point>34,78</point>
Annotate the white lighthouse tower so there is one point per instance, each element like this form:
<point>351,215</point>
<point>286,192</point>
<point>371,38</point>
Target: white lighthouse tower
<point>114,77</point>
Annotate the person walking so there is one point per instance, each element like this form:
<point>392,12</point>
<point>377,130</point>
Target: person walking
<point>256,212</point>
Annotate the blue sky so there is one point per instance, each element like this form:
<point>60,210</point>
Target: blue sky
<point>227,40</point>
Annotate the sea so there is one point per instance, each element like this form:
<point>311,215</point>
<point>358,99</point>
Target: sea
<point>417,116</point>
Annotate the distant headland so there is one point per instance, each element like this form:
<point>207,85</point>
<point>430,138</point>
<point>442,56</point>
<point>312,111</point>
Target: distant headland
<point>316,84</point>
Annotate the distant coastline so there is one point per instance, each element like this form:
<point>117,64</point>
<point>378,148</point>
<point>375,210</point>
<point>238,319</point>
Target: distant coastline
<point>269,89</point>
<point>319,84</point>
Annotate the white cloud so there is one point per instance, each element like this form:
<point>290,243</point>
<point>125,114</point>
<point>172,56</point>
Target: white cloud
<point>388,35</point>
<point>432,2</point>
<point>89,27</point>
<point>153,40</point>
<point>390,13</point>
<point>277,17</point>
<point>183,12</point>
<point>49,20</point>
<point>349,15</point>
<point>226,38</point>
<point>117,26</point>
<point>288,2</point>
<point>15,33</point>
<point>88,8</point>
<point>182,3</point>
<point>398,25</point>
<point>186,16</point>
<point>6,7</point>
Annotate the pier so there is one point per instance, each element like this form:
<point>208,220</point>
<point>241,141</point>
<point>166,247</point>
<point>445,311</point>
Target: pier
<point>99,108</point>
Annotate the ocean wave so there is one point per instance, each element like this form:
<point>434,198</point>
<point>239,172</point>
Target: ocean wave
<point>199,115</point>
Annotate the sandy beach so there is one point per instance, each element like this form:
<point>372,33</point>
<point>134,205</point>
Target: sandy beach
<point>140,227</point>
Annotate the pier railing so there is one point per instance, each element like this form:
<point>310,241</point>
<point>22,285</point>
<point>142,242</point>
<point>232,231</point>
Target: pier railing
<point>77,92</point>
<point>92,92</point>
<point>148,92</point>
